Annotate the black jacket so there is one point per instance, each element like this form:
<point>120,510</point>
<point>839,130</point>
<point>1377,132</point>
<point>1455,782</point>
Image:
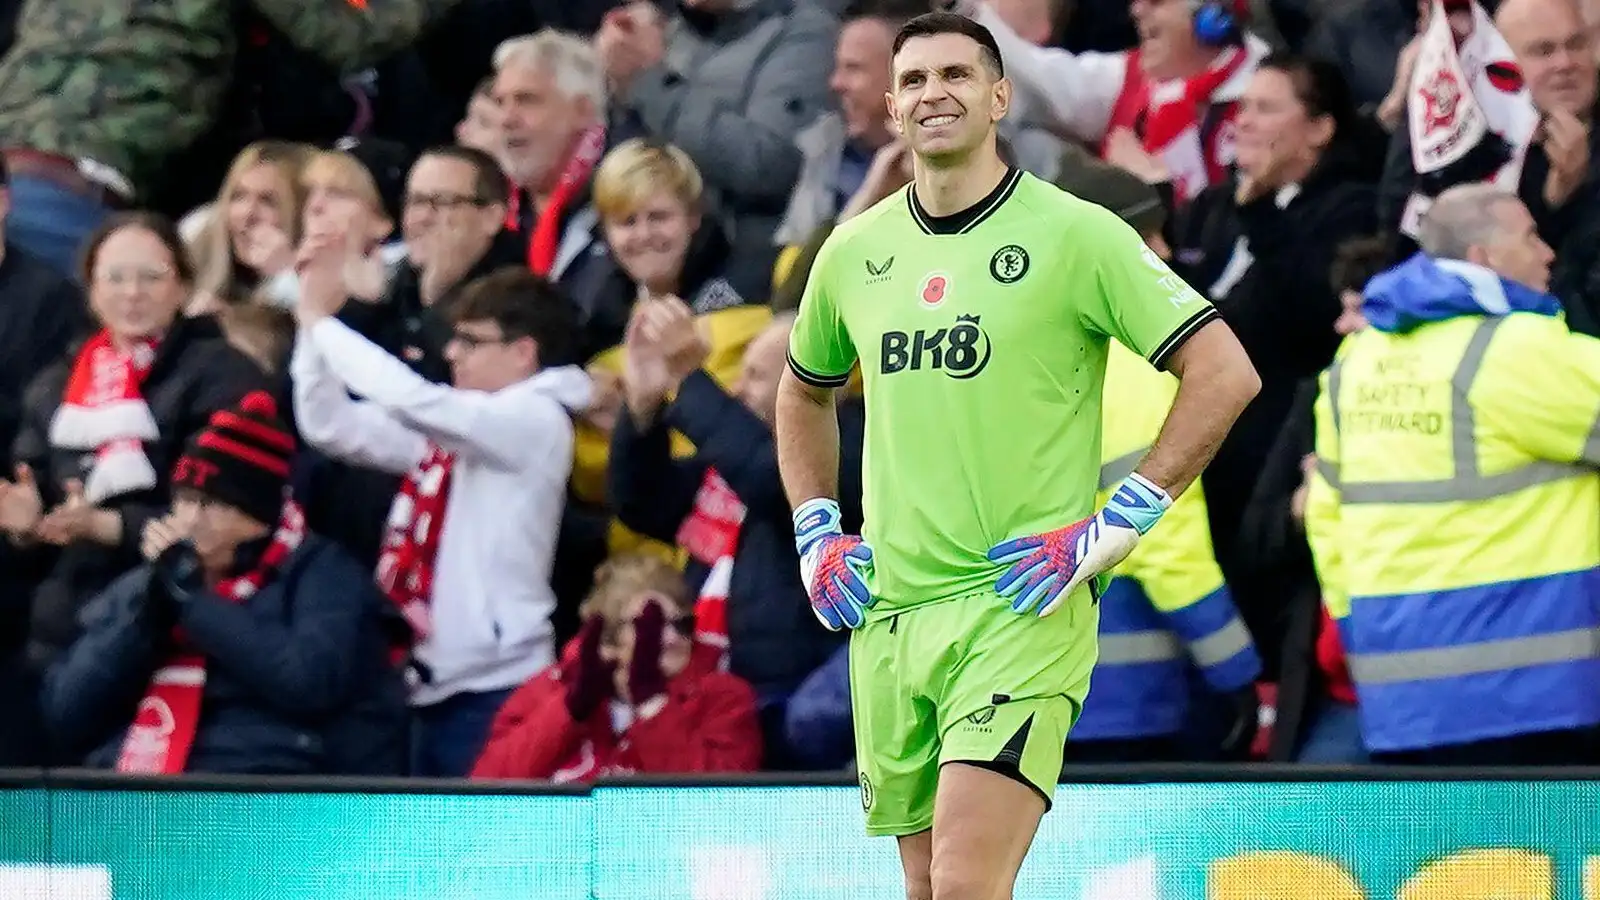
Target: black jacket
<point>775,641</point>
<point>40,314</point>
<point>195,373</point>
<point>1283,310</point>
<point>298,678</point>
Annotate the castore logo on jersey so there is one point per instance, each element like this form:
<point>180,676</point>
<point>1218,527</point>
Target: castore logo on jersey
<point>960,351</point>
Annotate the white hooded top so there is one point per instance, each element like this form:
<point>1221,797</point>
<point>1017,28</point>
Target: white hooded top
<point>492,600</point>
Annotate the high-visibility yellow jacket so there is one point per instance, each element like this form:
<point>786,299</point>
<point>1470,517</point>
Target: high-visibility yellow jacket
<point>1167,605</point>
<point>1455,512</point>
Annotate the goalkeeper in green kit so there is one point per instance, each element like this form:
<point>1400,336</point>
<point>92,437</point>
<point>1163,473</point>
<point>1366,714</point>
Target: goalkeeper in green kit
<point>978,303</point>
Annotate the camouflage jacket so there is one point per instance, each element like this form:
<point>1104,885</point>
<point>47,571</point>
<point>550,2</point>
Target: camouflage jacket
<point>130,83</point>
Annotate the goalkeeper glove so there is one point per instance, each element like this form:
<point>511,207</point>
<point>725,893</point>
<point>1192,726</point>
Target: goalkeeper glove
<point>1046,568</point>
<point>832,565</point>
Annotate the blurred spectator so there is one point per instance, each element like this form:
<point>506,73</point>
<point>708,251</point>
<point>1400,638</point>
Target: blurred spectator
<point>1026,131</point>
<point>454,209</point>
<point>255,646</point>
<point>1451,510</point>
<point>841,146</point>
<point>468,553</point>
<point>1372,42</point>
<point>1556,60</point>
<point>731,82</point>
<point>251,229</point>
<point>1316,713</point>
<point>1249,244</point>
<point>481,128</point>
<point>100,96</point>
<point>551,96</point>
<point>343,202</point>
<point>262,332</point>
<point>633,693</point>
<point>40,313</point>
<point>453,225</point>
<point>1108,99</point>
<point>726,500</point>
<point>1167,614</point>
<point>102,428</point>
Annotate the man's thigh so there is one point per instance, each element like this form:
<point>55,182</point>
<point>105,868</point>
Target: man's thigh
<point>1020,687</point>
<point>896,733</point>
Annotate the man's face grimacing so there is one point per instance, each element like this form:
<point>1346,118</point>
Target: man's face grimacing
<point>946,96</point>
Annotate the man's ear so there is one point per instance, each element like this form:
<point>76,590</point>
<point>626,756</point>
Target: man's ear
<point>1000,103</point>
<point>531,347</point>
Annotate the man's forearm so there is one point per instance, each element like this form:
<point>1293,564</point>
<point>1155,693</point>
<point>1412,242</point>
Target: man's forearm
<point>808,441</point>
<point>1215,383</point>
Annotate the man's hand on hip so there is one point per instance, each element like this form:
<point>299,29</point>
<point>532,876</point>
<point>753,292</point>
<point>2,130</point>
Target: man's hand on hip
<point>1046,568</point>
<point>833,565</point>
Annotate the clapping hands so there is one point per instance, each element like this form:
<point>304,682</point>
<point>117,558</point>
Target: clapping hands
<point>663,345</point>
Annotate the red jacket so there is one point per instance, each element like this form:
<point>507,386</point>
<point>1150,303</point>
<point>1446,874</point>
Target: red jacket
<point>1330,658</point>
<point>707,725</point>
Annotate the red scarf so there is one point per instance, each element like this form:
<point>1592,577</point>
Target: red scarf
<point>163,729</point>
<point>411,541</point>
<point>102,410</point>
<point>710,534</point>
<point>546,237</point>
<point>1166,115</point>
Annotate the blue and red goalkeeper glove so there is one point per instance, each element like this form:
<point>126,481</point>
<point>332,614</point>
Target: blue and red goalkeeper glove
<point>832,564</point>
<point>1047,568</point>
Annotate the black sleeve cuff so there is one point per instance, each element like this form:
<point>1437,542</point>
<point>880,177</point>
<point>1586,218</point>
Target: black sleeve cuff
<point>816,379</point>
<point>1182,333</point>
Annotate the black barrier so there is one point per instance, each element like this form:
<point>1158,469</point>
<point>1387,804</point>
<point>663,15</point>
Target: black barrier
<point>1131,774</point>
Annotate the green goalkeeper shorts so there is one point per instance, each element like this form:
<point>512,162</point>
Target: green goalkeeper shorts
<point>967,680</point>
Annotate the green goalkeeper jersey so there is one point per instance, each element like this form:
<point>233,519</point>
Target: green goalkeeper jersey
<point>982,340</point>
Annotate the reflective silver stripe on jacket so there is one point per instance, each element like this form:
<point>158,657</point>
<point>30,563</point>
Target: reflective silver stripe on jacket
<point>1139,647</point>
<point>1475,659</point>
<point>1467,483</point>
<point>1221,645</point>
<point>1114,471</point>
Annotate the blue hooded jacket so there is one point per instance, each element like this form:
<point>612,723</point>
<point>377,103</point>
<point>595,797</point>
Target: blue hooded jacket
<point>1422,290</point>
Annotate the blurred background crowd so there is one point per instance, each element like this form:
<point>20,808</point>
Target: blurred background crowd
<point>386,386</point>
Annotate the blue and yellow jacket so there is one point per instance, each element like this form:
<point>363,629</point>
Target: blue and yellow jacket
<point>1455,512</point>
<point>1166,606</point>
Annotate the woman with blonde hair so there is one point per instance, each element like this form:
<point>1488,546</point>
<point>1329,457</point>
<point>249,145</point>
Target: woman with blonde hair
<point>252,227</point>
<point>662,248</point>
<point>633,692</point>
<point>343,200</point>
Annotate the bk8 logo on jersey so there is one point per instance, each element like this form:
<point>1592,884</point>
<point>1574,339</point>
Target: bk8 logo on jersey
<point>960,351</point>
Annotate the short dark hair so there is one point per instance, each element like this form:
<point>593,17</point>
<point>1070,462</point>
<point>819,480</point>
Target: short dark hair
<point>523,305</point>
<point>488,179</point>
<point>930,24</point>
<point>1357,261</point>
<point>155,223</point>
<point>1319,85</point>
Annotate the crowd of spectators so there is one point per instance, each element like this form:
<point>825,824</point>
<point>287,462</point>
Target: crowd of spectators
<point>387,386</point>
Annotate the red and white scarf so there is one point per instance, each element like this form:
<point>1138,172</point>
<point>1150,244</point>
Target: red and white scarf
<point>710,534</point>
<point>164,727</point>
<point>102,410</point>
<point>546,237</point>
<point>1167,117</point>
<point>411,541</point>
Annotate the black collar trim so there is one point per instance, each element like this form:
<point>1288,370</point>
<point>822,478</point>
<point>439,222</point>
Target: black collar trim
<point>969,218</point>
